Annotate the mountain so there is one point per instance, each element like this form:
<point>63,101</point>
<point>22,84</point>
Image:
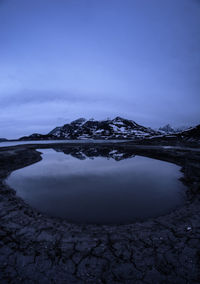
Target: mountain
<point>3,139</point>
<point>167,129</point>
<point>117,128</point>
<point>182,128</point>
<point>190,135</point>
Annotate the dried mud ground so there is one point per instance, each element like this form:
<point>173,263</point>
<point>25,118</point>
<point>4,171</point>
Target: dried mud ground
<point>37,249</point>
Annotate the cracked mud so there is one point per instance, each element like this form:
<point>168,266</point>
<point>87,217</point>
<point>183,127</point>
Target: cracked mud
<point>37,249</point>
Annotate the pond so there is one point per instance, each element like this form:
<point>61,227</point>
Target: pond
<point>95,189</point>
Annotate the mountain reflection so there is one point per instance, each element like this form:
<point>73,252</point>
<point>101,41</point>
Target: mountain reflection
<point>83,153</point>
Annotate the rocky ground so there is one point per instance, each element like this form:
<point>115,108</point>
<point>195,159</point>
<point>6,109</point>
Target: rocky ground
<point>37,249</point>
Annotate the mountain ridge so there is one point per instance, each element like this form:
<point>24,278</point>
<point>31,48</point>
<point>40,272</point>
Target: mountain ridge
<point>117,128</point>
<point>168,129</point>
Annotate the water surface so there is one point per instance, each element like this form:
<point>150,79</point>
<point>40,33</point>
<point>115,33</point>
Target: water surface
<point>99,190</point>
<point>15,143</point>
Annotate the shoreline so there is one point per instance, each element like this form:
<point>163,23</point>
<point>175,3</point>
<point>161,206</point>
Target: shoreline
<point>35,247</point>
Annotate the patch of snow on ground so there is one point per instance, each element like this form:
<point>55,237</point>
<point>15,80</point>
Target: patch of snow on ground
<point>113,152</point>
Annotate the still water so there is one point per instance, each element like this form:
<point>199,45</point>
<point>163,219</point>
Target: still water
<point>15,143</point>
<point>99,189</point>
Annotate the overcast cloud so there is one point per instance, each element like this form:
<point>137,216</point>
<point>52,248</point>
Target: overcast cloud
<point>64,59</point>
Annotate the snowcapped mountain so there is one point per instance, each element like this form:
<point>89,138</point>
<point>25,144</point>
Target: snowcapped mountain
<point>167,129</point>
<point>106,129</point>
<point>117,128</point>
<point>190,136</point>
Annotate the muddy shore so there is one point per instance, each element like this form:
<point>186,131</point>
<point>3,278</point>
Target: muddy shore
<point>37,249</point>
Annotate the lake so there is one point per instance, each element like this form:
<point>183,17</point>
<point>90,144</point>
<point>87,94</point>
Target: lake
<point>101,190</point>
<point>15,143</point>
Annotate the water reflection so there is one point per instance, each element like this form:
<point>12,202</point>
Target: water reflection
<point>91,185</point>
<point>83,153</point>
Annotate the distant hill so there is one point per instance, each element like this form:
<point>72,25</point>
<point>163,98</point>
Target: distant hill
<point>168,129</point>
<point>191,135</point>
<point>117,128</point>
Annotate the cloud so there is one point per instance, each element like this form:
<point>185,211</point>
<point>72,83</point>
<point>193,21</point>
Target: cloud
<point>56,67</point>
<point>39,97</point>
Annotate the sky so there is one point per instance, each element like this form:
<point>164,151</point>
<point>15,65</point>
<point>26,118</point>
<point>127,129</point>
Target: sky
<point>65,59</point>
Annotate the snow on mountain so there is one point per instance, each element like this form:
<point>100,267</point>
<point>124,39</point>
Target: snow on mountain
<point>167,129</point>
<point>105,129</point>
<point>117,128</point>
<point>189,136</point>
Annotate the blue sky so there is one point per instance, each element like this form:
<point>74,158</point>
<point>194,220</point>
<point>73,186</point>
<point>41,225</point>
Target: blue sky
<point>64,59</point>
